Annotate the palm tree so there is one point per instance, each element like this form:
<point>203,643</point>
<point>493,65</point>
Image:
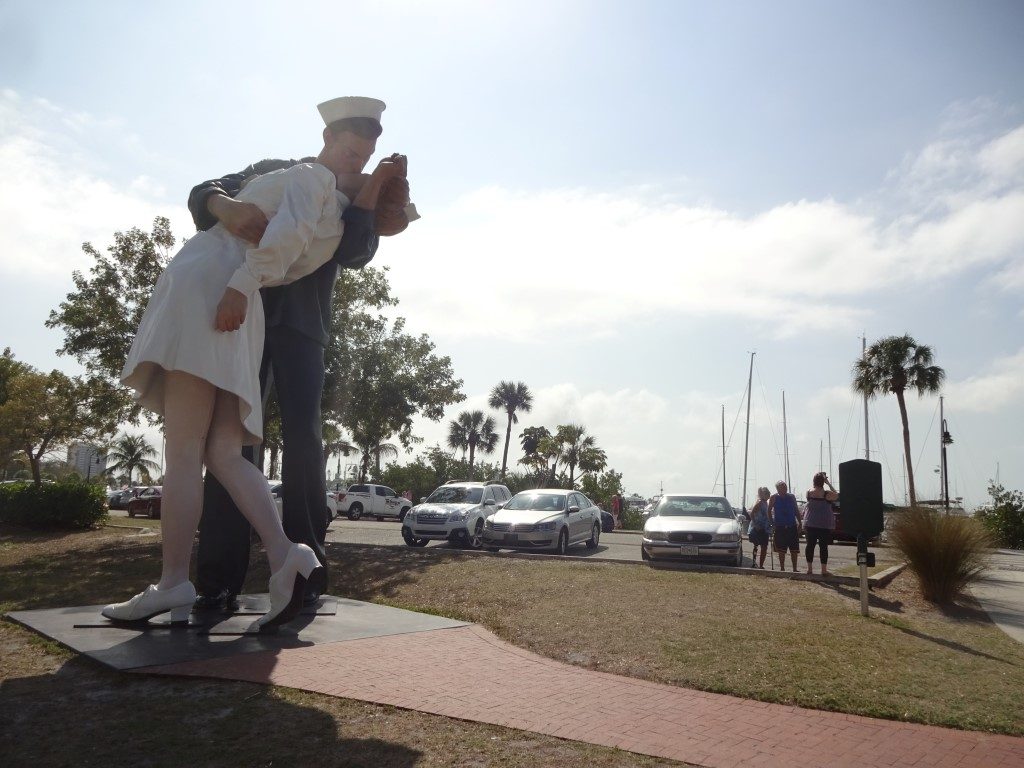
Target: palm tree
<point>472,430</point>
<point>374,451</point>
<point>895,364</point>
<point>578,449</point>
<point>131,452</point>
<point>510,397</point>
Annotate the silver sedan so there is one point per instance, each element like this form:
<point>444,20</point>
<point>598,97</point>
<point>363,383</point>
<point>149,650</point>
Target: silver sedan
<point>693,527</point>
<point>546,518</point>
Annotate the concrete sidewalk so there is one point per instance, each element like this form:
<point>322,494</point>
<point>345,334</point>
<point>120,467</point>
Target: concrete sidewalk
<point>468,673</point>
<point>1001,592</point>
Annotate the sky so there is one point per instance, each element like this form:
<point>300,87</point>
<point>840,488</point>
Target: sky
<point>620,200</point>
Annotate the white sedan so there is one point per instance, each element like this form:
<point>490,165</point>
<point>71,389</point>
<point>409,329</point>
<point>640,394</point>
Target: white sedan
<point>686,526</point>
<point>546,518</point>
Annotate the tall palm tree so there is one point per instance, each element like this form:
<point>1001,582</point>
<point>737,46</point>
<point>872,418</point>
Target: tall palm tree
<point>131,452</point>
<point>895,364</point>
<point>510,397</point>
<point>473,430</point>
<point>374,452</point>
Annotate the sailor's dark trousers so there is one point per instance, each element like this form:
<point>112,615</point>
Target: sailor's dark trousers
<point>293,365</point>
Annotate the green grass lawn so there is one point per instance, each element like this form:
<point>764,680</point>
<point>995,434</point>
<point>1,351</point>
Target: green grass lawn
<point>770,639</point>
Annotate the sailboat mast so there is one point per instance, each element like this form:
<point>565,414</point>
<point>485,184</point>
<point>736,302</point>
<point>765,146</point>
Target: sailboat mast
<point>828,422</point>
<point>723,451</point>
<point>785,440</point>
<point>746,440</point>
<point>867,438</point>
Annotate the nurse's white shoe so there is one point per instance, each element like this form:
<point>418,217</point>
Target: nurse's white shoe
<point>301,571</point>
<point>152,602</point>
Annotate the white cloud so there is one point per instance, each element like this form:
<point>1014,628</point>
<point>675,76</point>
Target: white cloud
<point>57,193</point>
<point>578,261</point>
<point>993,390</point>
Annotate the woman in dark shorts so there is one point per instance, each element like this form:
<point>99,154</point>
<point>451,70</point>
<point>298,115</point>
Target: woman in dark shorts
<point>760,524</point>
<point>786,519</point>
<point>819,521</point>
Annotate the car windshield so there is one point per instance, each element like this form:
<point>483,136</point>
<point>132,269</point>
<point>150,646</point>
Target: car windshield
<point>693,506</point>
<point>454,494</point>
<point>541,502</point>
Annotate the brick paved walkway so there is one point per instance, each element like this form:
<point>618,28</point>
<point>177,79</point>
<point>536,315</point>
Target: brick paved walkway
<point>470,674</point>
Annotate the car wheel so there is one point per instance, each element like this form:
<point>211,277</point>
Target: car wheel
<point>477,539</point>
<point>595,537</point>
<point>563,542</point>
<point>355,511</point>
<point>411,540</point>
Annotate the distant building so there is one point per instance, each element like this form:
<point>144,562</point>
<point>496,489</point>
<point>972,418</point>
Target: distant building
<point>86,459</point>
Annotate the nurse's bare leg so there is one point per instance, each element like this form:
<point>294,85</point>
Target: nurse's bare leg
<point>188,410</point>
<point>243,481</point>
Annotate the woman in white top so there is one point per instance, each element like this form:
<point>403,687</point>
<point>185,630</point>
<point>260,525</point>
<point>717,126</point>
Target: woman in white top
<point>195,360</point>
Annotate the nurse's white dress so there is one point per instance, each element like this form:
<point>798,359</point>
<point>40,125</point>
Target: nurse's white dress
<point>177,331</point>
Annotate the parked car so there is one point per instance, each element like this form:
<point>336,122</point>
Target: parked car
<point>330,504</point>
<point>607,521</point>
<point>146,503</point>
<point>685,526</point>
<point>544,519</point>
<point>373,501</point>
<point>119,499</point>
<point>454,512</point>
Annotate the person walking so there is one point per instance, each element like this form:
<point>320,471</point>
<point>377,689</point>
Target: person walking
<point>819,521</point>
<point>759,528</point>
<point>785,517</point>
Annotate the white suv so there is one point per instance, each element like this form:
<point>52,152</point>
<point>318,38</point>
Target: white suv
<point>456,512</point>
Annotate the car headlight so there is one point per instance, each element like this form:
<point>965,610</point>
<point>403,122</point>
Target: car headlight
<point>411,515</point>
<point>458,517</point>
<point>732,538</point>
<point>547,526</point>
<point>656,536</point>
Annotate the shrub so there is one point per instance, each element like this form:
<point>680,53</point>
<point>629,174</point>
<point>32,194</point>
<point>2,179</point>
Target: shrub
<point>632,520</point>
<point>67,504</point>
<point>945,552</point>
<point>1004,520</point>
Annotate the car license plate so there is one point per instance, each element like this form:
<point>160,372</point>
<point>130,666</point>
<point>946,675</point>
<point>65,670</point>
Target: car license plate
<point>689,550</point>
<point>511,537</point>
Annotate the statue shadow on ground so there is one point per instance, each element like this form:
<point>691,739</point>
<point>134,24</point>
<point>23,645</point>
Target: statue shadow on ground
<point>84,714</point>
<point>365,572</point>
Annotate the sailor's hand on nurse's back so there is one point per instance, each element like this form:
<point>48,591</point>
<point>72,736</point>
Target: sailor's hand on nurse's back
<point>231,310</point>
<point>243,220</point>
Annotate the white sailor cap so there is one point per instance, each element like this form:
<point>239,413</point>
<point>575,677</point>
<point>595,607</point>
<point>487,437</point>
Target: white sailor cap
<point>350,106</point>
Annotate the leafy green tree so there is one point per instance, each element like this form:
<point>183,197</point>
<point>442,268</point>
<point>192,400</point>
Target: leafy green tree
<point>46,411</point>
<point>600,488</point>
<point>475,431</point>
<point>378,376</point>
<point>1004,520</point>
<point>895,364</point>
<point>510,397</point>
<point>100,316</point>
<point>538,450</point>
<point>130,453</point>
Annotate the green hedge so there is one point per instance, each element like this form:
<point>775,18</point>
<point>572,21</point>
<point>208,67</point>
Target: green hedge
<point>67,504</point>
